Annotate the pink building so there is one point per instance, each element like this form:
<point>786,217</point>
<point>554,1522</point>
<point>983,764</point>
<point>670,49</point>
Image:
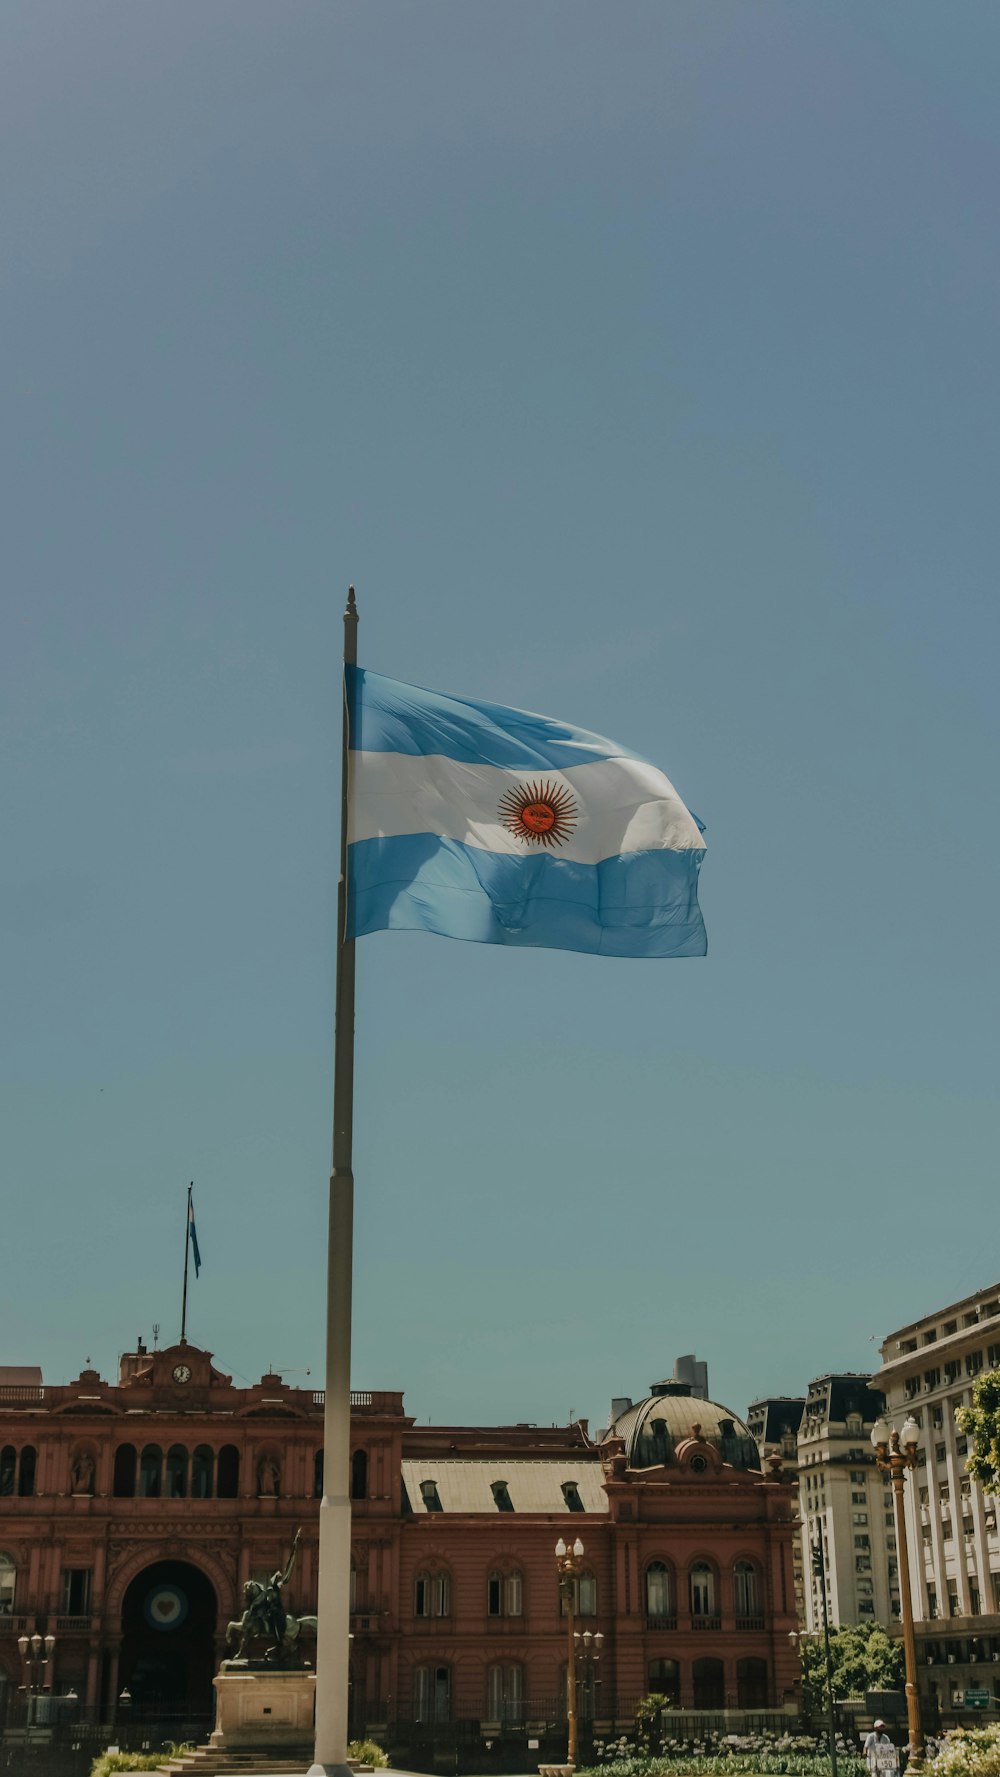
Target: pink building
<point>132,1512</point>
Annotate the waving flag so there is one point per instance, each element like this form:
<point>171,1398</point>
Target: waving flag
<point>193,1236</point>
<point>491,824</point>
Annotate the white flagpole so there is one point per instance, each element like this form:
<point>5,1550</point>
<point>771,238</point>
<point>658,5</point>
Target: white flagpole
<point>333,1639</point>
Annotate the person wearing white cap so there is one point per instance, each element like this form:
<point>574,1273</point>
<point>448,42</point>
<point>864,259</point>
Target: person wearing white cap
<point>877,1739</point>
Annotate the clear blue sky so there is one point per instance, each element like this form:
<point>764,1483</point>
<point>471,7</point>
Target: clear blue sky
<point>639,364</point>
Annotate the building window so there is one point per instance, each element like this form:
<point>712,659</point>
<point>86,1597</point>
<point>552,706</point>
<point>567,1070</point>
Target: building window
<point>858,1476</point>
<point>8,1469</point>
<point>432,1693</point>
<point>504,1594</point>
<point>202,1472</point>
<point>862,1542</point>
<point>430,1496</point>
<point>659,1592</point>
<point>504,1692</point>
<point>859,1499</point>
<point>708,1678</point>
<point>973,1363</point>
<point>431,1595</point>
<point>571,1494</point>
<point>228,1473</point>
<point>359,1475</point>
<point>150,1470</point>
<point>862,1564</point>
<point>664,1678</point>
<point>177,1462</point>
<point>746,1590</point>
<point>318,1475</point>
<point>75,1592</point>
<point>123,1485</point>
<point>860,1517</point>
<point>8,1575</point>
<point>701,1582</point>
<point>501,1496</point>
<point>584,1594</point>
<point>26,1472</point>
<point>751,1684</point>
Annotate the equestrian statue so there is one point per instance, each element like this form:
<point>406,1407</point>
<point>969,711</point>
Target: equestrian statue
<point>265,1617</point>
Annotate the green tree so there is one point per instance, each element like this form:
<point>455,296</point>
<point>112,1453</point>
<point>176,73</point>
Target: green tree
<point>864,1659</point>
<point>981,1425</point>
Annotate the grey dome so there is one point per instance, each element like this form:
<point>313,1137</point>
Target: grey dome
<point>653,1428</point>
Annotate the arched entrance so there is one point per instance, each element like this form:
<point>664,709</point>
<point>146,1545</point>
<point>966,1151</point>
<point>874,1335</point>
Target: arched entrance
<point>168,1655</point>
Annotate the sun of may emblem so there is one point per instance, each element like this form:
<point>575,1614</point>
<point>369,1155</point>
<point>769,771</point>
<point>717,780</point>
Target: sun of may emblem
<point>542,812</point>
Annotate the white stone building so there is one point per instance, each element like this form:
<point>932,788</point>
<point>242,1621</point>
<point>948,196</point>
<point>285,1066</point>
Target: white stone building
<point>928,1369</point>
<point>841,1490</point>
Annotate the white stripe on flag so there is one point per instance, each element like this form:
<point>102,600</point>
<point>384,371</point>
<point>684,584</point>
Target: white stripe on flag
<point>619,805</point>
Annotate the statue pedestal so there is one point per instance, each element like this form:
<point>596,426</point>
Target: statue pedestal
<point>263,1709</point>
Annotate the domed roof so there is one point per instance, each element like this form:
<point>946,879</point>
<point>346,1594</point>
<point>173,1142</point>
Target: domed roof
<point>653,1428</point>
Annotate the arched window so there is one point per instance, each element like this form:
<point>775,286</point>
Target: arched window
<point>659,1595</point>
<point>318,1475</point>
<point>431,1594</point>
<point>123,1485</point>
<point>227,1484</point>
<point>26,1472</point>
<point>504,1594</point>
<point>8,1466</point>
<point>432,1693</point>
<point>177,1472</point>
<point>202,1467</point>
<point>701,1581</point>
<point>665,1680</point>
<point>150,1471</point>
<point>504,1695</point>
<point>751,1684</point>
<point>709,1684</point>
<point>746,1591</point>
<point>8,1574</point>
<point>359,1475</point>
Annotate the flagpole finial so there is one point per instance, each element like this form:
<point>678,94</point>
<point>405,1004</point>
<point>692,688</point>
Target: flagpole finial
<point>352,609</point>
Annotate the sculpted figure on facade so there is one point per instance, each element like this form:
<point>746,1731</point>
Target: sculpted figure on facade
<point>82,1472</point>
<point>268,1477</point>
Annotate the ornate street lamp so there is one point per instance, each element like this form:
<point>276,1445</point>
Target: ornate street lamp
<point>895,1452</point>
<point>588,1648</point>
<point>36,1654</point>
<point>568,1567</point>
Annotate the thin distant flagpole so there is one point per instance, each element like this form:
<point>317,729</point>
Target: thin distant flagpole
<point>187,1249</point>
<point>335,1509</point>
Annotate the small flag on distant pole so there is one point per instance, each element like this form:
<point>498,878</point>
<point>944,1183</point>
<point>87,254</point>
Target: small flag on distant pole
<point>193,1233</point>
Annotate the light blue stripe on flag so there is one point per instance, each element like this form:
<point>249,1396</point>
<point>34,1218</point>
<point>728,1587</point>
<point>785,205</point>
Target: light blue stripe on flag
<point>643,904</point>
<point>491,824</point>
<point>389,717</point>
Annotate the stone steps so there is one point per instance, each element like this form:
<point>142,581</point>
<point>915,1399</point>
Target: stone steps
<point>214,1761</point>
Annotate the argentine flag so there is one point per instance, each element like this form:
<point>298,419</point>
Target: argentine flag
<point>486,823</point>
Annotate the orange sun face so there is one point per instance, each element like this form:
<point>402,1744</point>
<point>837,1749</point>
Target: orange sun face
<point>542,812</point>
